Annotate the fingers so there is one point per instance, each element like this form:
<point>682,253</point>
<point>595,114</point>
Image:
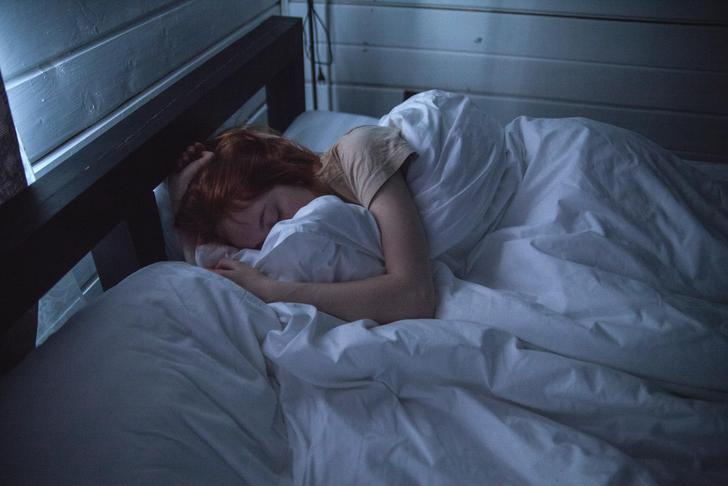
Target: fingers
<point>245,276</point>
<point>189,171</point>
<point>187,156</point>
<point>188,164</point>
<point>228,274</point>
<point>232,270</point>
<point>195,165</point>
<point>227,264</point>
<point>184,159</point>
<point>191,154</point>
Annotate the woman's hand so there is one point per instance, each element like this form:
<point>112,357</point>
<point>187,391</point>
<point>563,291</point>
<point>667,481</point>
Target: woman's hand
<point>191,154</point>
<point>246,276</point>
<point>188,165</point>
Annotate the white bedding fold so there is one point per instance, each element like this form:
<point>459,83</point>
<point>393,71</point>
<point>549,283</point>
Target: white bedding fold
<point>443,401</point>
<point>463,177</point>
<point>612,250</point>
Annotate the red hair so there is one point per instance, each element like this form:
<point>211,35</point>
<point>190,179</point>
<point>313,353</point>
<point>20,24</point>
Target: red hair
<point>248,162</point>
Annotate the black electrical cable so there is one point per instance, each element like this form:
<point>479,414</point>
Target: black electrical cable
<point>312,57</point>
<point>311,34</point>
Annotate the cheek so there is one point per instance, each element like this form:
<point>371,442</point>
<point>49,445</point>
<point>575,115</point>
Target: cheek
<point>247,238</point>
<point>237,235</point>
<point>287,208</point>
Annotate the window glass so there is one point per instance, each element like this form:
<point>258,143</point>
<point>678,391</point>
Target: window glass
<point>71,293</point>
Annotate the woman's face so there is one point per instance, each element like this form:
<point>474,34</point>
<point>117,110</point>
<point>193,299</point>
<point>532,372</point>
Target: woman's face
<point>248,226</point>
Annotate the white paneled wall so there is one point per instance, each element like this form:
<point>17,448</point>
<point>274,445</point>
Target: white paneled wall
<point>74,67</point>
<point>659,68</point>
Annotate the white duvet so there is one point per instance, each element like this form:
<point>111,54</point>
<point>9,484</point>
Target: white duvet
<point>581,334</point>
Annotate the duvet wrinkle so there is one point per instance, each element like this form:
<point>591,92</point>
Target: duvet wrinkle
<point>206,439</point>
<point>221,453</point>
<point>629,263</point>
<point>202,349</point>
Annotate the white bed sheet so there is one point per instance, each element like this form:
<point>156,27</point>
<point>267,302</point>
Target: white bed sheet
<point>587,346</point>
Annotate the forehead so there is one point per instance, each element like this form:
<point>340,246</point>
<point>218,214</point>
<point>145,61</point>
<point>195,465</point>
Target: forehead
<point>246,213</point>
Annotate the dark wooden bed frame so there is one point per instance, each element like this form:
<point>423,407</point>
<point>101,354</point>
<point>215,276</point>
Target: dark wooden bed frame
<point>101,199</point>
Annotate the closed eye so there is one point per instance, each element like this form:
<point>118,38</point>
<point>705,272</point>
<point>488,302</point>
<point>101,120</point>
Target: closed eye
<point>261,218</point>
<point>269,216</point>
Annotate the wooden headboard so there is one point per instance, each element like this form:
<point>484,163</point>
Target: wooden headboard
<point>109,184</point>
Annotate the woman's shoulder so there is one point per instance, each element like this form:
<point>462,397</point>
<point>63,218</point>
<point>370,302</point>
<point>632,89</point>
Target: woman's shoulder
<point>368,139</point>
<point>367,134</point>
<point>363,160</point>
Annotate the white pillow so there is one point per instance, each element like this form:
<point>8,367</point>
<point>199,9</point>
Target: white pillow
<point>327,240</point>
<point>319,130</point>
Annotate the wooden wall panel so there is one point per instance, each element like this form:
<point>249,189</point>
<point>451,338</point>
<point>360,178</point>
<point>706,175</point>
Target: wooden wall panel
<point>680,131</point>
<point>704,11</point>
<point>533,36</point>
<point>60,99</point>
<point>594,83</point>
<point>632,65</point>
<point>38,32</point>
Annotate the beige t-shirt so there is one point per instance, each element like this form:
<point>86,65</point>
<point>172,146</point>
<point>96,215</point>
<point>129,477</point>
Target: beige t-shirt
<point>361,161</point>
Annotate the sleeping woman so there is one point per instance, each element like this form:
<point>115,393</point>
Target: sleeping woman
<point>252,179</point>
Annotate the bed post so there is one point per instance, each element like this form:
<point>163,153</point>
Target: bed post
<point>136,242</point>
<point>285,95</point>
<point>21,333</point>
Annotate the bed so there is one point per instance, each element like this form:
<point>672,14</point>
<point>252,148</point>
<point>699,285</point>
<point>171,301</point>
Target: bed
<point>580,335</point>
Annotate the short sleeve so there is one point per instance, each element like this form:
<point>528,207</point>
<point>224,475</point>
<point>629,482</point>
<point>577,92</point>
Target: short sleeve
<point>368,156</point>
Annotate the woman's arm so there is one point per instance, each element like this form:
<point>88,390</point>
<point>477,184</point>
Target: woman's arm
<point>188,164</point>
<point>405,291</point>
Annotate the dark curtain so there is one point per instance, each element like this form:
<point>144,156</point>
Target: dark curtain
<point>12,175</point>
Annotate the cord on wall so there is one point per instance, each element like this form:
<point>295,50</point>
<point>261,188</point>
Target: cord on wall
<point>312,55</point>
<point>313,24</point>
